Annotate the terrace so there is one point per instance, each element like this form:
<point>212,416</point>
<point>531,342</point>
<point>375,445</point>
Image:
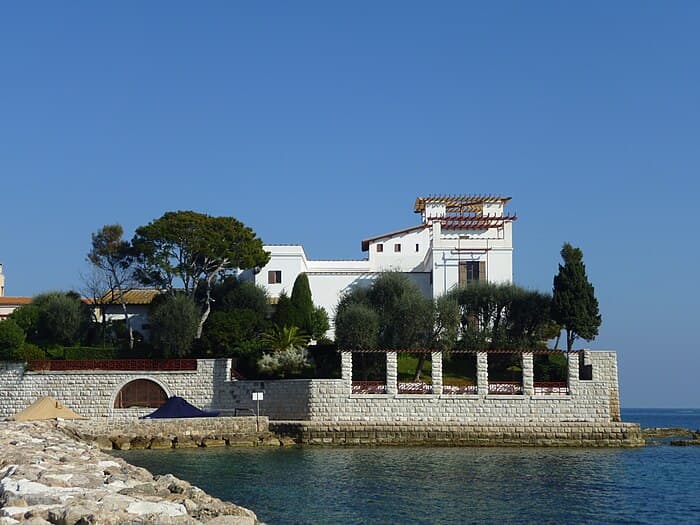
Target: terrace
<point>459,373</point>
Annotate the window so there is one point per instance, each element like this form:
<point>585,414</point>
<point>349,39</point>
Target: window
<point>471,272</point>
<point>397,247</point>
<point>417,247</point>
<point>380,248</point>
<point>274,277</point>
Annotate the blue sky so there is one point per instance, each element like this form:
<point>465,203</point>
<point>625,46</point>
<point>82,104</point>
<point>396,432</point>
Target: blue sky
<point>320,122</point>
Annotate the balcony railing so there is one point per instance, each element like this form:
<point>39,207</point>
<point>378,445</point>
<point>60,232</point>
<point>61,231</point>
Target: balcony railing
<point>551,387</point>
<point>415,388</point>
<point>130,365</point>
<point>508,388</point>
<point>461,389</point>
<point>368,387</point>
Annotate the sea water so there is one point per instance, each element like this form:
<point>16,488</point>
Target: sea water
<point>433,485</point>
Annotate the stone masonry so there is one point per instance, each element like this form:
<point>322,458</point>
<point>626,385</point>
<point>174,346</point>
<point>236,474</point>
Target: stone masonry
<point>331,401</point>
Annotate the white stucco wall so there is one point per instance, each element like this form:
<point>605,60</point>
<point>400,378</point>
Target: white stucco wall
<point>429,255</point>
<point>408,259</point>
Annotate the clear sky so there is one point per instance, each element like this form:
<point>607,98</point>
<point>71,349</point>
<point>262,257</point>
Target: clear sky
<point>320,122</point>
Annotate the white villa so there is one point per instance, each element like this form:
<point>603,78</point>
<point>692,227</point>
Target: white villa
<point>460,239</point>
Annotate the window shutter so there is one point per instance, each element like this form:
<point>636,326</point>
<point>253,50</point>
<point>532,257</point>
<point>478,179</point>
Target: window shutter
<point>482,270</point>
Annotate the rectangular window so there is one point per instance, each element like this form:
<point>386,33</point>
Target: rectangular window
<point>417,247</point>
<point>274,277</point>
<point>380,248</point>
<point>471,272</point>
<point>397,247</point>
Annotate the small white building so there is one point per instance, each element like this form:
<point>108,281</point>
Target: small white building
<point>460,239</point>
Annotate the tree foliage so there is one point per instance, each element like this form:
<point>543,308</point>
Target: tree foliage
<point>405,318</point>
<point>284,311</point>
<point>302,304</point>
<point>494,315</point>
<point>174,320</point>
<point>320,324</point>
<point>238,318</point>
<point>112,256</point>
<point>62,318</point>
<point>393,314</point>
<point>12,338</point>
<point>190,251</point>
<point>27,317</point>
<point>574,305</point>
<point>356,327</point>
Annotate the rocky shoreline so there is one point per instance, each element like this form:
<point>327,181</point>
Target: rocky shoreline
<point>48,476</point>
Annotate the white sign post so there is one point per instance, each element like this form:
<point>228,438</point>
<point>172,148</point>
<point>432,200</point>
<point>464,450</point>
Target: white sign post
<point>257,396</point>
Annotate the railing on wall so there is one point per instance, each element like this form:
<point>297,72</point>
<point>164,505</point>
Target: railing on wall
<point>415,388</point>
<point>509,388</point>
<point>459,389</point>
<point>368,387</point>
<point>129,365</point>
<point>551,387</point>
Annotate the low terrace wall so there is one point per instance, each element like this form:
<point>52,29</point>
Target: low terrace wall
<point>331,400</point>
<point>92,393</point>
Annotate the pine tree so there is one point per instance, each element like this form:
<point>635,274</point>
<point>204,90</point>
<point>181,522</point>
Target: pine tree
<point>574,305</point>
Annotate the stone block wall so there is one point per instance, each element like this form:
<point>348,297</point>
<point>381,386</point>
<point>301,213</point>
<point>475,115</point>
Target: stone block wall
<point>92,393</point>
<point>330,400</point>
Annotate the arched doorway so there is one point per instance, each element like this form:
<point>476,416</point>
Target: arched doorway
<point>141,393</point>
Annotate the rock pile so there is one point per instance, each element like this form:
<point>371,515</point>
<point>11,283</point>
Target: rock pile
<point>48,477</point>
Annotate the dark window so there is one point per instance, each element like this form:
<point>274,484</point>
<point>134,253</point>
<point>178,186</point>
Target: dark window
<point>585,371</point>
<point>274,277</point>
<point>397,247</point>
<point>417,247</point>
<point>140,393</point>
<point>380,248</point>
<point>471,272</point>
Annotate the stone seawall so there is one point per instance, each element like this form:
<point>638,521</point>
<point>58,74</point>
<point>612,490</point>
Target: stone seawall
<point>49,477</point>
<point>572,434</point>
<point>174,433</point>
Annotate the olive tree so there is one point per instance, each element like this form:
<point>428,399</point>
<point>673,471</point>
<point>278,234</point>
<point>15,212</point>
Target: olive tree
<point>174,320</point>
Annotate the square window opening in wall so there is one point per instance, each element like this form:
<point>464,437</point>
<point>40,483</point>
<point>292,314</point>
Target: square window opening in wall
<point>397,247</point>
<point>274,277</point>
<point>380,248</point>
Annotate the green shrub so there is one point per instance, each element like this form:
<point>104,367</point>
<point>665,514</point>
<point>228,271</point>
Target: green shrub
<point>31,352</point>
<point>12,338</point>
<point>82,352</point>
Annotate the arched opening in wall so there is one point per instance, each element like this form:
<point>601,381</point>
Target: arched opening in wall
<point>141,393</point>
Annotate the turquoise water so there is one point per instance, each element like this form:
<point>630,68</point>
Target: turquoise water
<point>658,484</point>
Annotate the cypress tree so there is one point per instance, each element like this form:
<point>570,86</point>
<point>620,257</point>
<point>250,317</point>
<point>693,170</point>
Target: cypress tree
<point>302,304</point>
<point>574,305</point>
<point>283,315</point>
